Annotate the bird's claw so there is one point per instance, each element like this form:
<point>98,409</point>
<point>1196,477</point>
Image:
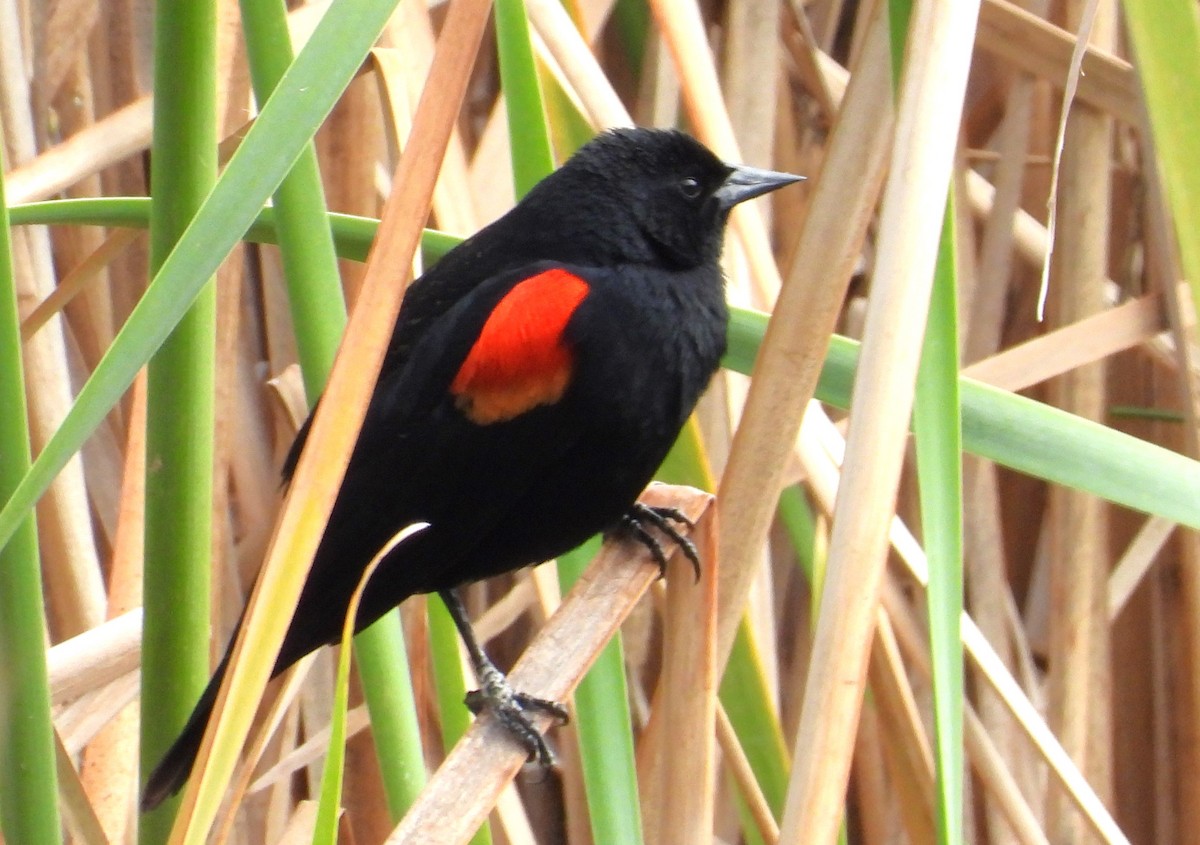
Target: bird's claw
<point>633,524</point>
<point>512,707</point>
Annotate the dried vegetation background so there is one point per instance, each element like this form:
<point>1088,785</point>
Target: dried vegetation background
<point>1092,608</point>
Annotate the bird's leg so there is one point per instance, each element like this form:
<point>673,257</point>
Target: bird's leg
<point>496,694</point>
<point>633,524</point>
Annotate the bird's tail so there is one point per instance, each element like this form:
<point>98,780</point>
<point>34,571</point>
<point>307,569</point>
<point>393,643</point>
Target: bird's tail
<point>173,769</point>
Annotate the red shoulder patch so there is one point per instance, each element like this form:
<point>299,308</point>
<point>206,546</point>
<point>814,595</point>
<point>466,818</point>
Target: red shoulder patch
<point>519,360</point>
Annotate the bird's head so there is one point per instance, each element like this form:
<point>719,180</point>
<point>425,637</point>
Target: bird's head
<point>658,194</point>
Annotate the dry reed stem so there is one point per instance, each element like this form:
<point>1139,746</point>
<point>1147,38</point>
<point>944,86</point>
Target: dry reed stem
<point>109,769</point>
<point>358,120</point>
<point>410,31</point>
<point>512,818</point>
<point>843,200</point>
<point>906,747</point>
<point>1178,732</point>
<point>1004,792</point>
<point>1011,817</point>
<point>871,785</point>
<point>79,814</point>
<point>1084,341</point>
<point>984,574</point>
<point>806,53</point>
<point>1163,269</point>
<point>91,320</point>
<point>1132,567</point>
<point>82,274</point>
<point>750,70</point>
<point>313,749</point>
<point>1063,767</point>
<point>506,610</point>
<point>300,825</point>
<point>683,31</point>
<point>314,485</point>
<point>689,682</point>
<point>253,475</point>
<point>658,95</point>
<point>734,757</point>
<point>80,721</point>
<point>1031,245</point>
<point>67,25</point>
<point>463,790</point>
<point>1079,681</point>
<point>984,304</point>
<point>111,139</point>
<point>574,57</point>
<point>234,443</point>
<point>490,167</point>
<point>910,224</point>
<point>67,541</point>
<point>820,461</point>
<point>1044,50</point>
<point>96,657</point>
<point>278,710</point>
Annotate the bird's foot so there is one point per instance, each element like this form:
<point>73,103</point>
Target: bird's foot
<point>512,708</point>
<point>634,525</point>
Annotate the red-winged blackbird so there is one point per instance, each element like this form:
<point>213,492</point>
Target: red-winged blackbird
<point>535,379</point>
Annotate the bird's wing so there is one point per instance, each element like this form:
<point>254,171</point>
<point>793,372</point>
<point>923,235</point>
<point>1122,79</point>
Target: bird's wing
<point>457,436</point>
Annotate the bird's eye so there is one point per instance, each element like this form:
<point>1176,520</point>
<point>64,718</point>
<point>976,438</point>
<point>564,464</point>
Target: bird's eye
<point>689,187</point>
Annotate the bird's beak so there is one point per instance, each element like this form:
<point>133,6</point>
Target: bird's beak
<point>744,183</point>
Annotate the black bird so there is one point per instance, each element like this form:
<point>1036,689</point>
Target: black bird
<point>535,380</point>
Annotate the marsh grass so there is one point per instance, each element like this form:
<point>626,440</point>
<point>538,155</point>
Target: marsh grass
<point>1066,697</point>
